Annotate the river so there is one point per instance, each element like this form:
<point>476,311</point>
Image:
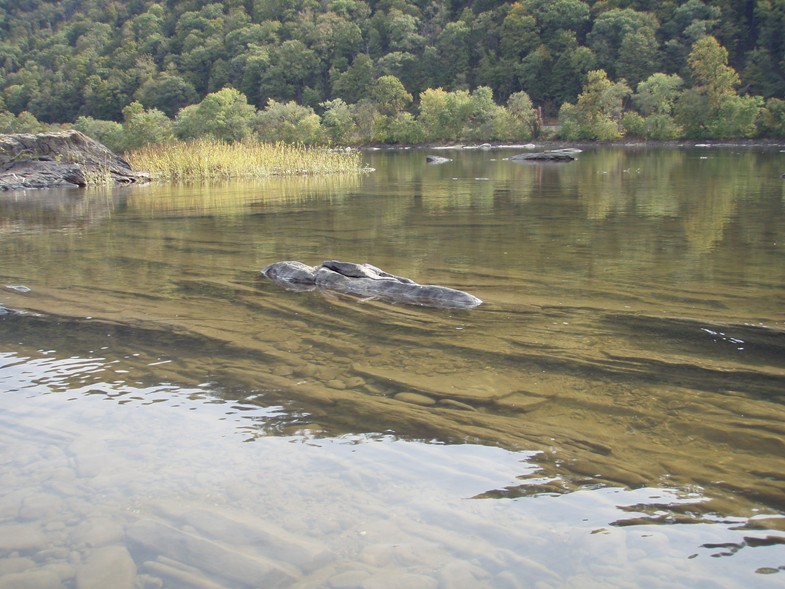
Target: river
<point>613,414</point>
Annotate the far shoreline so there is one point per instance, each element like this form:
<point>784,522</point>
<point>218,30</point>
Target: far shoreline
<point>551,144</point>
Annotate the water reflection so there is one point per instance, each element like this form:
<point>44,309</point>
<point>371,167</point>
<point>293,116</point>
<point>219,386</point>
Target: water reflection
<point>618,398</point>
<point>137,490</point>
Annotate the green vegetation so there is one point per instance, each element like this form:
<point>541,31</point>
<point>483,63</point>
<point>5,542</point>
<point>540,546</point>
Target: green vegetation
<point>212,159</point>
<point>392,71</point>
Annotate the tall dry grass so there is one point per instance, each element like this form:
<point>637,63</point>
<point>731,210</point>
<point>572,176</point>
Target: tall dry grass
<point>209,159</point>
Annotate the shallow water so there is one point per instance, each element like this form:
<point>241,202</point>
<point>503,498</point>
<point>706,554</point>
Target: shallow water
<point>611,416</point>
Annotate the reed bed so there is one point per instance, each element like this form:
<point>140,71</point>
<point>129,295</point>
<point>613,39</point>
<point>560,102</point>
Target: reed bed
<point>207,159</point>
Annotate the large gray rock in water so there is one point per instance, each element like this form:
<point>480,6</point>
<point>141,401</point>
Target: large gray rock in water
<point>59,159</point>
<point>546,156</point>
<point>365,280</point>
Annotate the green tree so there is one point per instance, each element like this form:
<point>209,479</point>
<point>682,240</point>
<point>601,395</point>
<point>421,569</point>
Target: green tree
<point>365,117</point>
<point>533,74</point>
<point>570,68</point>
<point>655,99</point>
<point>765,63</point>
<point>148,31</point>
<point>394,30</point>
<point>390,123</point>
<point>239,41</point>
<point>289,122</point>
<point>458,115</point>
<point>526,119</point>
<point>709,71</point>
<point>337,121</point>
<point>554,16</point>
<point>625,38</point>
<point>773,118</point>
<point>638,56</point>
<point>145,126</point>
<point>711,108</point>
<point>452,46</point>
<point>390,96</point>
<point>62,60</point>
<point>763,74</point>
<point>336,38</point>
<point>597,114</point>
<point>405,67</point>
<point>293,67</point>
<point>24,122</point>
<point>355,83</point>
<point>224,115</point>
<point>519,32</point>
<point>167,92</point>
<point>6,121</point>
<point>658,94</point>
<point>401,128</point>
<point>688,23</point>
<point>487,120</point>
<point>252,67</point>
<point>443,115</point>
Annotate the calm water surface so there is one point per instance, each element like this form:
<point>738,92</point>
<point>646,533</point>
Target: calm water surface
<point>612,416</point>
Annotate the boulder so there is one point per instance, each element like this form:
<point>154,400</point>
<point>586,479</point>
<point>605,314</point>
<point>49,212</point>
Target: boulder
<point>365,280</point>
<point>547,156</point>
<point>64,159</point>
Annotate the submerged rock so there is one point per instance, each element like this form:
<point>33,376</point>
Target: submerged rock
<point>366,280</point>
<point>66,159</point>
<point>437,159</point>
<point>110,566</point>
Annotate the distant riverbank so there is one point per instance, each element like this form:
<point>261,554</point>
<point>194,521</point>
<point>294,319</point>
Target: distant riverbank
<point>561,144</point>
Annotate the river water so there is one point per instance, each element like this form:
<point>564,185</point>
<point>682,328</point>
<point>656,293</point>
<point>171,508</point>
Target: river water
<point>612,416</point>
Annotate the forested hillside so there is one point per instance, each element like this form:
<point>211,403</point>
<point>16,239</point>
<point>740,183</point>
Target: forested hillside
<point>60,60</point>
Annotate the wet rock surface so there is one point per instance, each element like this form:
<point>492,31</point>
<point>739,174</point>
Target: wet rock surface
<point>545,156</point>
<point>59,159</point>
<point>365,280</point>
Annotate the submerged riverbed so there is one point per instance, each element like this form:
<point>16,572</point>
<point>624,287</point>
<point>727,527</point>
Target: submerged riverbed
<point>612,415</point>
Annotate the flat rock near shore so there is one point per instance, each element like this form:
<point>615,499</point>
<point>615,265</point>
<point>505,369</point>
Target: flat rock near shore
<point>59,159</point>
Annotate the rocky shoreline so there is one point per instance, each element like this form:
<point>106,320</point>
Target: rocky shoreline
<point>555,144</point>
<point>71,159</point>
<point>60,159</point>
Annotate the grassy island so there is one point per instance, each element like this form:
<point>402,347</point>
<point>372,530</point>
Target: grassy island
<point>208,159</point>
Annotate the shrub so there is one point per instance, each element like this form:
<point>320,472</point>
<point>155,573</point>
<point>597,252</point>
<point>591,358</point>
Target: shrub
<point>633,124</point>
<point>662,127</point>
<point>403,128</point>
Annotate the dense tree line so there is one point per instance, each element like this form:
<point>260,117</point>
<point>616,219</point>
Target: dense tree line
<point>359,71</point>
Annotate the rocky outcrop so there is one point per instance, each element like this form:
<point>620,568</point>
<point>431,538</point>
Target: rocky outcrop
<point>60,159</point>
<point>365,280</point>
